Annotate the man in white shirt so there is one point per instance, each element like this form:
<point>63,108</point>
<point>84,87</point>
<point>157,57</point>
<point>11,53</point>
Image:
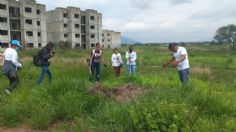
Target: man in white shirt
<point>131,57</point>
<point>11,65</point>
<point>180,61</point>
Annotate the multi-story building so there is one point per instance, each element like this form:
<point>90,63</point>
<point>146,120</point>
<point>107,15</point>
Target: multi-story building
<point>77,28</point>
<point>23,20</point>
<point>111,39</point>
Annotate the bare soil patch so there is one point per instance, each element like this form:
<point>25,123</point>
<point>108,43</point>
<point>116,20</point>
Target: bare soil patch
<point>22,128</point>
<point>121,94</point>
<point>201,70</point>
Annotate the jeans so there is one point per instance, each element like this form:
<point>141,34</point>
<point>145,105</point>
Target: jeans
<point>95,66</point>
<point>44,70</point>
<point>131,69</point>
<point>184,75</point>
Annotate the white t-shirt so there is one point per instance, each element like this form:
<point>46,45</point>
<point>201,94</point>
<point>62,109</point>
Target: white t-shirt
<point>10,54</point>
<point>116,59</point>
<point>132,56</point>
<point>184,64</point>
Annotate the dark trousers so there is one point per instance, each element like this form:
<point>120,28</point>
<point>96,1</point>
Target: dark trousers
<point>117,71</point>
<point>44,70</point>
<point>184,75</point>
<point>14,80</point>
<point>95,66</point>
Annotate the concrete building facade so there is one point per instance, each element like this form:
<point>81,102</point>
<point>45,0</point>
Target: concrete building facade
<point>23,20</point>
<point>77,28</point>
<point>111,39</point>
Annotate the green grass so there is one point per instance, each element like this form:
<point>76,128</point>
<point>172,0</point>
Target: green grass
<point>207,103</point>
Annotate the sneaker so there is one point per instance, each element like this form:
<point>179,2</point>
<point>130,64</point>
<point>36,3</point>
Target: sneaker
<point>8,92</point>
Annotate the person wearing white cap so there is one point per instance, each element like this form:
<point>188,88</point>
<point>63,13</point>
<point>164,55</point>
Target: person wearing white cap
<point>11,65</point>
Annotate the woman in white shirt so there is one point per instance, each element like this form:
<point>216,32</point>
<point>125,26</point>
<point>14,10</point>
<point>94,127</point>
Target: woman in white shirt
<point>11,65</point>
<point>131,57</point>
<point>117,62</point>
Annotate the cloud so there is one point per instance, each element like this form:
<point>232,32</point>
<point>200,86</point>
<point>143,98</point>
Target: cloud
<point>159,20</point>
<point>140,4</point>
<point>177,2</point>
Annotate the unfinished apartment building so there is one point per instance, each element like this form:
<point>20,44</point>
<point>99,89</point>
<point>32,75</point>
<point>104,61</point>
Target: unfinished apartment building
<point>111,39</point>
<point>77,28</point>
<point>23,20</point>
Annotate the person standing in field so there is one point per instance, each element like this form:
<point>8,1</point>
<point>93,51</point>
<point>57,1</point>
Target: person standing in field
<point>11,65</point>
<point>131,57</point>
<point>44,55</point>
<point>117,62</point>
<point>180,61</point>
<point>95,60</point>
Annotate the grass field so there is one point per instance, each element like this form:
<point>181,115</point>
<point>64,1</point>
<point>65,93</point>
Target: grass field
<point>207,103</point>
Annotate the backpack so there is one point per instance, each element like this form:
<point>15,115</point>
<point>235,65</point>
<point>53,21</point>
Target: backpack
<point>36,60</point>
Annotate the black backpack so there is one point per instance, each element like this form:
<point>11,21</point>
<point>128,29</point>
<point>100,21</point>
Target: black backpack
<point>36,60</point>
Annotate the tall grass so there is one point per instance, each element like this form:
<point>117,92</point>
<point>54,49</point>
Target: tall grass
<point>207,103</point>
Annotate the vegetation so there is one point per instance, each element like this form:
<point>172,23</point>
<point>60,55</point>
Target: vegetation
<point>226,34</point>
<point>207,103</point>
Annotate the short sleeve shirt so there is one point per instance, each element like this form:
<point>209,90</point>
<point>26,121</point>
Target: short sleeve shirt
<point>184,64</point>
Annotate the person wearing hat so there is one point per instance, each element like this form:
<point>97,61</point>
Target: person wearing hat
<point>44,55</point>
<point>131,57</point>
<point>11,65</point>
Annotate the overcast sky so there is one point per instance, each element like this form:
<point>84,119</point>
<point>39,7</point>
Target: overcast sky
<point>159,20</point>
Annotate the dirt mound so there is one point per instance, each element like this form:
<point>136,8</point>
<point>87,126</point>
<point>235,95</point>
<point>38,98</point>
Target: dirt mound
<point>120,94</point>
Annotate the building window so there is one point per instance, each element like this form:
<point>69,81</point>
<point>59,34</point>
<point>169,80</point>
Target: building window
<point>64,15</point>
<point>4,45</point>
<point>76,25</point>
<point>77,45</point>
<point>28,21</point>
<point>38,12</point>
<point>38,23</point>
<point>31,45</point>
<point>65,35</point>
<point>92,36</point>
<point>39,45</point>
<point>83,20</point>
<point>92,27</point>
<point>76,16</point>
<point>83,38</point>
<point>3,7</point>
<point>65,25</point>
<point>92,45</point>
<point>14,12</point>
<point>28,9</point>
<point>109,40</point>
<point>29,33</point>
<point>103,40</point>
<point>91,17</point>
<point>83,29</point>
<point>108,34</point>
<point>3,19</point>
<point>39,34</point>
<point>102,34</point>
<point>15,24</point>
<point>3,32</point>
<point>77,35</point>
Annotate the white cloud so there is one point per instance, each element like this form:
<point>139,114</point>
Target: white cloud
<point>158,20</point>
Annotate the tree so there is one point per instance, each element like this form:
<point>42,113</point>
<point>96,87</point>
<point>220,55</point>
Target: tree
<point>226,34</point>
